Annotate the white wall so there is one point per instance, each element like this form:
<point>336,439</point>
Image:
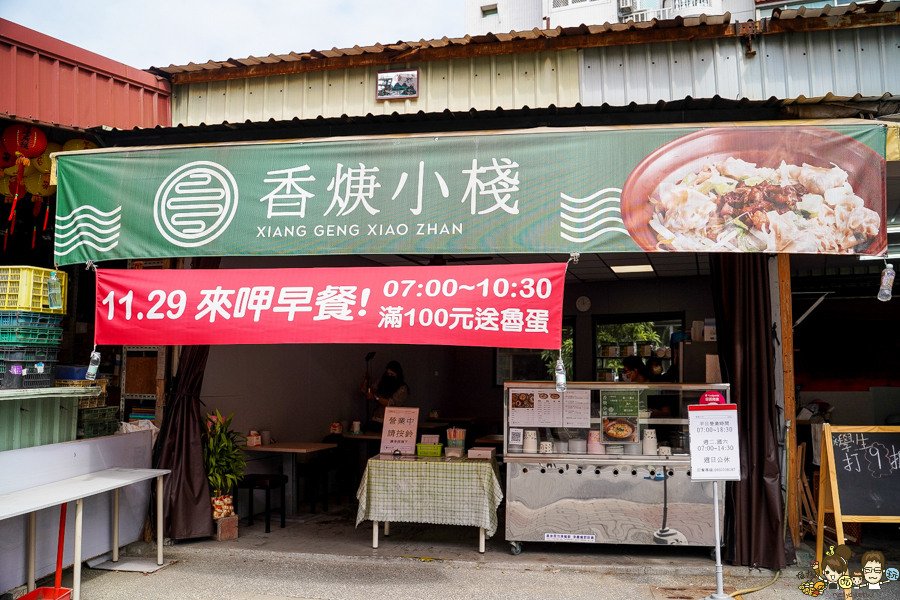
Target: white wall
<point>512,15</point>
<point>592,12</point>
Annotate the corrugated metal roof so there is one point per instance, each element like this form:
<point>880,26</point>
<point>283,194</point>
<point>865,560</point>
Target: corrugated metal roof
<point>51,82</point>
<point>802,19</point>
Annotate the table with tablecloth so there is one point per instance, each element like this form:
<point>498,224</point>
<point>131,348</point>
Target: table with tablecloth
<point>441,491</point>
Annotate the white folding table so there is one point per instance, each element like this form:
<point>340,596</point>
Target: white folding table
<point>31,500</point>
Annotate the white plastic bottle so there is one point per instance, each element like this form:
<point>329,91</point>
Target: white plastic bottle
<point>93,366</point>
<point>560,376</point>
<point>887,282</point>
<point>54,292</point>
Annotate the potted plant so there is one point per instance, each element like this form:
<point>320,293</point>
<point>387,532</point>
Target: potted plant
<point>225,467</point>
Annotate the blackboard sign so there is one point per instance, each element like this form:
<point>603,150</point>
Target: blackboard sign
<point>867,466</point>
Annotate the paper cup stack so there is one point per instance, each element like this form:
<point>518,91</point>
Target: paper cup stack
<point>594,445</point>
<point>530,442</point>
<point>650,443</point>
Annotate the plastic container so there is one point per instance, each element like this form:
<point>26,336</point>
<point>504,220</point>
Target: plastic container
<point>21,318</point>
<point>48,593</point>
<point>429,449</point>
<point>46,353</point>
<point>92,429</point>
<point>31,336</point>
<point>25,288</point>
<point>87,401</point>
<point>609,350</point>
<point>100,413</point>
<point>887,282</point>
<point>71,371</point>
<point>26,375</point>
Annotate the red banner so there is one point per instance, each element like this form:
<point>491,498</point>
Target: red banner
<point>508,306</point>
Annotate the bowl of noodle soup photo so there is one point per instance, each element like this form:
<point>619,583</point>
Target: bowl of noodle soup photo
<point>758,189</point>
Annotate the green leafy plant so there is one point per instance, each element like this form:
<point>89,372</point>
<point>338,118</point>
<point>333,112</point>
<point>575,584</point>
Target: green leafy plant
<point>222,453</point>
<point>551,356</point>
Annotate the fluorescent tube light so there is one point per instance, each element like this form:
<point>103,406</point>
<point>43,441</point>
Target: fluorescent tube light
<point>889,256</point>
<point>632,269</point>
<point>892,228</point>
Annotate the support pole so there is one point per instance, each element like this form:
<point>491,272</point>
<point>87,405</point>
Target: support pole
<point>159,520</point>
<point>790,404</point>
<point>32,536</point>
<point>76,563</point>
<point>481,539</point>
<point>115,544</point>
<point>387,528</point>
<point>374,534</point>
<point>720,592</point>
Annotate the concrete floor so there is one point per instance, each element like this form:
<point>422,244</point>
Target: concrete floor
<point>324,556</point>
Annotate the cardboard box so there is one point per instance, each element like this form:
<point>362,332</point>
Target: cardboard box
<point>488,453</point>
<point>253,440</point>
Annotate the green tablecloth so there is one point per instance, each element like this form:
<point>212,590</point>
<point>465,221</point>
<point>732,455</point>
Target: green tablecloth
<point>431,490</point>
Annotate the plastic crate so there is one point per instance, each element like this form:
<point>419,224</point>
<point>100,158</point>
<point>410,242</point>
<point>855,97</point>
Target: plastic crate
<point>31,336</point>
<point>24,375</point>
<point>101,383</point>
<point>25,288</point>
<point>20,318</point>
<point>429,449</point>
<point>92,429</point>
<point>100,413</point>
<point>48,353</point>
<point>91,401</point>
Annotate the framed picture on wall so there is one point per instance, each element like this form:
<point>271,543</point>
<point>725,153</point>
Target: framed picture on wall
<point>397,85</point>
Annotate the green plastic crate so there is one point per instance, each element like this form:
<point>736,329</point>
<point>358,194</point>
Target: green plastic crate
<point>429,449</point>
<point>101,413</point>
<point>31,336</point>
<point>20,318</point>
<point>92,429</point>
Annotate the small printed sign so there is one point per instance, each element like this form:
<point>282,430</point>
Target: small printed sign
<point>516,436</point>
<point>715,450</point>
<point>568,537</point>
<point>399,431</point>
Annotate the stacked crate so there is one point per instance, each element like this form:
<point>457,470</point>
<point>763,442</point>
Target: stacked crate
<point>30,331</point>
<point>95,419</point>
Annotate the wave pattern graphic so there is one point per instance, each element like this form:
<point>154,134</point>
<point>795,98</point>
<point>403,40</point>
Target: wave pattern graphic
<point>87,226</point>
<point>583,216</point>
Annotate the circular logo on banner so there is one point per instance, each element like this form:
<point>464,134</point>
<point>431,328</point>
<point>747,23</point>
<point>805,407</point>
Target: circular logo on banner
<point>195,204</point>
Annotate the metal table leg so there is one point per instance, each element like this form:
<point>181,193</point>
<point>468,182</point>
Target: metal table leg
<point>481,539</point>
<point>159,520</point>
<point>76,566</point>
<point>387,528</point>
<point>374,534</point>
<point>32,537</point>
<point>115,542</point>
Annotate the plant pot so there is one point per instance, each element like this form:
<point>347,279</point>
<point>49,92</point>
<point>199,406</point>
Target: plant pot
<point>223,506</point>
<point>226,528</point>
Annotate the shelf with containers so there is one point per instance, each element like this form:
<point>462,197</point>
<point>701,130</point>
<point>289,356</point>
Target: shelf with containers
<point>610,355</point>
<point>579,468</point>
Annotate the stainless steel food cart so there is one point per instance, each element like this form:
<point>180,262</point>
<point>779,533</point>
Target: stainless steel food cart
<point>602,498</point>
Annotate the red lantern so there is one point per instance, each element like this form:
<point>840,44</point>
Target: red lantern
<point>24,140</point>
<point>7,158</point>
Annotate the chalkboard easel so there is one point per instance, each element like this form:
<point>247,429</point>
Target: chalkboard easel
<point>859,478</point>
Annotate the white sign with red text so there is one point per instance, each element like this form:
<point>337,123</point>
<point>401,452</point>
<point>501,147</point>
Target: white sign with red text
<point>715,450</point>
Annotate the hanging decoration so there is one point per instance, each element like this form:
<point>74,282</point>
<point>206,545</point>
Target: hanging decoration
<point>42,162</point>
<point>7,158</point>
<point>76,144</point>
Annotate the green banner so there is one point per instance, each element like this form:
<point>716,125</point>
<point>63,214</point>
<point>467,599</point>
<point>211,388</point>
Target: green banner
<point>744,188</point>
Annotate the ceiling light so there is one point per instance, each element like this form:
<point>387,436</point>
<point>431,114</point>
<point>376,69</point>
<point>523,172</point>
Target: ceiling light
<point>632,269</point>
<point>886,256</point>
<point>892,228</point>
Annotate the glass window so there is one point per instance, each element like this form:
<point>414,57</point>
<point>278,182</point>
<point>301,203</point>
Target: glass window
<point>517,364</point>
<point>646,336</point>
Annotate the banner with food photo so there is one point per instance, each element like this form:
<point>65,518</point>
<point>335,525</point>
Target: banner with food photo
<point>796,188</point>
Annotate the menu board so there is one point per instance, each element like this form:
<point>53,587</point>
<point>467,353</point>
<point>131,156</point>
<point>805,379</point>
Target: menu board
<point>549,408</point>
<point>867,465</point>
<point>399,432</point>
<point>619,403</point>
<point>620,430</point>
<point>577,408</point>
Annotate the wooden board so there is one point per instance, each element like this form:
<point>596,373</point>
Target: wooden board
<point>860,478</point>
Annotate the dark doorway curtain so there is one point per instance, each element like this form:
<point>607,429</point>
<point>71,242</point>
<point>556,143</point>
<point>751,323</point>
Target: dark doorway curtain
<point>187,509</point>
<point>754,531</point>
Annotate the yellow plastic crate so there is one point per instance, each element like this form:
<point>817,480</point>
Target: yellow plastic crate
<point>101,383</point>
<point>25,288</point>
